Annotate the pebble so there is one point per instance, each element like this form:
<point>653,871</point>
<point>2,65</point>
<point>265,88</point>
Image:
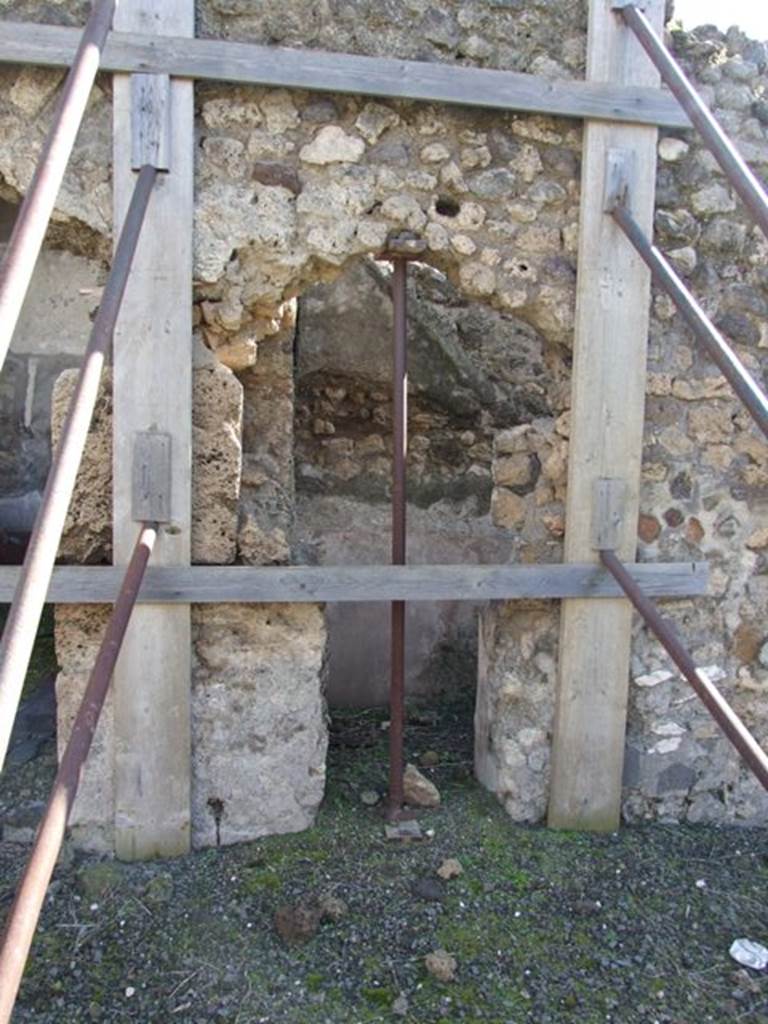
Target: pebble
<point>749,954</point>
<point>419,791</point>
<point>441,965</point>
<point>369,797</point>
<point>450,868</point>
<point>333,908</point>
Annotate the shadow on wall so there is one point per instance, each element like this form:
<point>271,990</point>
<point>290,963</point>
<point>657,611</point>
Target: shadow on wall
<point>472,372</point>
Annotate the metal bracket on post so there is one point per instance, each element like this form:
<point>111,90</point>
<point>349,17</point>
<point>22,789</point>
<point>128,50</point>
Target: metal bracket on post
<point>619,178</point>
<point>151,122</point>
<point>609,502</point>
<point>619,5</point>
<point>151,497</point>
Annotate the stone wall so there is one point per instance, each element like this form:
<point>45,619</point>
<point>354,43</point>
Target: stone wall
<point>258,719</point>
<point>296,191</point>
<point>704,497</point>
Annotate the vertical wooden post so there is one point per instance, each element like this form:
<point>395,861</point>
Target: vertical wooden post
<point>612,313</point>
<point>153,392</point>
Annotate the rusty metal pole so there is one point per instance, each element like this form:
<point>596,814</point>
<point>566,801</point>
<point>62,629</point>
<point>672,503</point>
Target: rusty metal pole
<point>716,704</point>
<point>32,219</point>
<point>399,453</point>
<point>400,249</point>
<point>24,914</point>
<point>29,597</point>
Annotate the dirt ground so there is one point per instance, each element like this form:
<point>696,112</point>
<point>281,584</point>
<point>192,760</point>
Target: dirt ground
<point>543,926</point>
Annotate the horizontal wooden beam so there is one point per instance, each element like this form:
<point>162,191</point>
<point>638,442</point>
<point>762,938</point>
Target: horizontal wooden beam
<point>225,61</point>
<point>257,584</point>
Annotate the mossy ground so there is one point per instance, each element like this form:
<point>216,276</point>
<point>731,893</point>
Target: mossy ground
<point>545,926</point>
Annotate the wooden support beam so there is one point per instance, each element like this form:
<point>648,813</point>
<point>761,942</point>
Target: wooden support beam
<point>215,584</point>
<point>226,61</point>
<point>154,123</point>
<point>609,371</point>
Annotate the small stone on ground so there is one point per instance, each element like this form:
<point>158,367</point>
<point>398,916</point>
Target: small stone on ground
<point>441,965</point>
<point>450,868</point>
<point>419,790</point>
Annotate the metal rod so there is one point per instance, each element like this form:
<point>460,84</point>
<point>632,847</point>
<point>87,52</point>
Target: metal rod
<point>400,448</point>
<point>718,348</point>
<point>716,704</point>
<point>36,209</point>
<point>717,141</point>
<point>25,912</point>
<point>29,597</point>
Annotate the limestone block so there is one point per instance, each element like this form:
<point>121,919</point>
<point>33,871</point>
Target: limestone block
<point>217,410</point>
<point>217,415</point>
<point>259,732</point>
<point>332,145</point>
<point>515,703</point>
<point>87,533</point>
<point>79,629</point>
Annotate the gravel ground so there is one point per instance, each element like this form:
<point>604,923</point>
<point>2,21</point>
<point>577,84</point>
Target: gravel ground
<point>544,926</point>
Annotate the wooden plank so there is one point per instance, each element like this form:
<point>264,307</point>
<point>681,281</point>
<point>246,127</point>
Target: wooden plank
<point>612,314</point>
<point>226,61</point>
<point>152,348</point>
<point>356,583</point>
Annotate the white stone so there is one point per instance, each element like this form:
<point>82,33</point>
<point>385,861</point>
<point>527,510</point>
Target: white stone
<point>669,729</point>
<point>673,150</point>
<point>654,678</point>
<point>419,791</point>
<point>279,111</point>
<point>372,234</point>
<point>332,145</point>
<point>477,47</point>
<point>668,746</point>
<point>232,111</point>
<point>684,260</point>
<point>435,153</point>
<point>374,119</point>
<point>229,216</point>
<point>437,237</point>
<point>405,210</point>
<point>463,245</point>
<point>471,216</point>
<point>477,279</point>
